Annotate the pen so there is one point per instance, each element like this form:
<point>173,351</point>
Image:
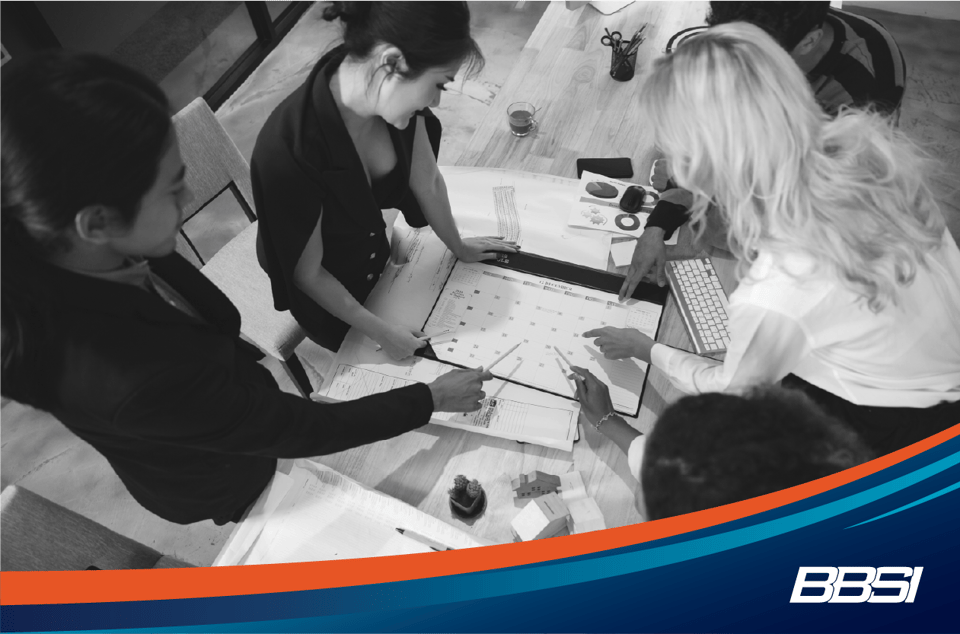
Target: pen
<point>501,357</point>
<point>426,541</point>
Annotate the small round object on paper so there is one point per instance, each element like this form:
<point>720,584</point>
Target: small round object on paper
<point>602,190</point>
<point>627,222</point>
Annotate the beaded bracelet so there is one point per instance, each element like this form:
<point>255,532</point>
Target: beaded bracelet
<point>603,418</point>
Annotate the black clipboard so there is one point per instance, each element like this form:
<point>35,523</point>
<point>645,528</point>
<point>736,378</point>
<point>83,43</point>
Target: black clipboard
<point>561,272</point>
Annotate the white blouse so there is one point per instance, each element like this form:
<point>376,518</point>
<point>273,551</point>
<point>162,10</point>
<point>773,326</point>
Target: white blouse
<point>907,355</point>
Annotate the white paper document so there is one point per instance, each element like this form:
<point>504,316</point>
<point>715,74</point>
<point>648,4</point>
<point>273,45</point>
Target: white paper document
<point>530,208</point>
<point>608,7</point>
<point>419,265</point>
<point>252,525</point>
<point>592,212</point>
<point>326,515</point>
<point>622,252</point>
<point>484,310</point>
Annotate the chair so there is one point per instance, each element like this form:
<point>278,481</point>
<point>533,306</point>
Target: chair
<point>41,535</point>
<point>215,165</point>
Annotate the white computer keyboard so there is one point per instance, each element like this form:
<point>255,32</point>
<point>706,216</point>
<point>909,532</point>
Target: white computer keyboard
<point>702,302</point>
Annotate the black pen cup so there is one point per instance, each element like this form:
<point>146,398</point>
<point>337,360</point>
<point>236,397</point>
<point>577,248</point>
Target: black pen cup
<point>623,67</point>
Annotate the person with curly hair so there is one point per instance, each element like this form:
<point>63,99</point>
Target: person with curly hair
<point>713,449</point>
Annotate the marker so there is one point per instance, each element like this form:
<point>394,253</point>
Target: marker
<point>501,357</point>
<point>426,541</point>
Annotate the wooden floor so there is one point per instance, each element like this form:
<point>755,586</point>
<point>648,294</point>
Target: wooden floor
<point>40,454</point>
<point>931,104</point>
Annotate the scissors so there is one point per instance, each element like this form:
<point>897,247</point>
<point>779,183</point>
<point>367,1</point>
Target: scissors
<point>613,40</point>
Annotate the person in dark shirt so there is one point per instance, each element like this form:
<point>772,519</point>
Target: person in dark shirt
<point>849,60</point>
<point>358,137</point>
<point>119,337</point>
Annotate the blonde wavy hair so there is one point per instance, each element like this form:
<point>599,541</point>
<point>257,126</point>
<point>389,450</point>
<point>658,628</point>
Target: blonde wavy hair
<point>738,122</point>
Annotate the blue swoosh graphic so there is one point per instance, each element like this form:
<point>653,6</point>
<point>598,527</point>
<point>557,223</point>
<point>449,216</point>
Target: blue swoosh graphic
<point>515,581</point>
<point>932,496</point>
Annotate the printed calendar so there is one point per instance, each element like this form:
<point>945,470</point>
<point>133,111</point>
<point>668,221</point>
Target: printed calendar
<point>483,310</point>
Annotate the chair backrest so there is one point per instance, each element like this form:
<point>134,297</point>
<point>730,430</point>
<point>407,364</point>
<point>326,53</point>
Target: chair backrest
<point>214,164</point>
<point>38,534</point>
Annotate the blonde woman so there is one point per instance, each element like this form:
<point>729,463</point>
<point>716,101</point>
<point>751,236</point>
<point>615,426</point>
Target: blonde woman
<point>850,283</point>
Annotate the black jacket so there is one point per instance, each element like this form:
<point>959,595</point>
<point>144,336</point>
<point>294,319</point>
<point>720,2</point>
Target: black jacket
<point>304,158</point>
<point>183,412</point>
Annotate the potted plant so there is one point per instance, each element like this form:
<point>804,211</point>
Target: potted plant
<point>467,497</point>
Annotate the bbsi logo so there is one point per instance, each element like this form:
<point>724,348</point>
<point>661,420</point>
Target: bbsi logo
<point>860,590</point>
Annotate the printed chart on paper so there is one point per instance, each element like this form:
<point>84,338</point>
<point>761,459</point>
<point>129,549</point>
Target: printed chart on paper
<point>505,207</point>
<point>484,310</point>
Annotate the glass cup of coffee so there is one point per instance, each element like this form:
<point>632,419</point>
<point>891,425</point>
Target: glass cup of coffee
<point>520,118</point>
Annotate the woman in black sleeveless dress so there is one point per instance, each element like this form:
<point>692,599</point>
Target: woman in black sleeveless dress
<point>358,137</point>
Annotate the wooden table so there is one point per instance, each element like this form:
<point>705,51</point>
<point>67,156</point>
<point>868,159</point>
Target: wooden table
<point>583,113</point>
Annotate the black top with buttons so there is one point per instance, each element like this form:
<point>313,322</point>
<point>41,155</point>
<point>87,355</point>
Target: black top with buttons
<point>305,161</point>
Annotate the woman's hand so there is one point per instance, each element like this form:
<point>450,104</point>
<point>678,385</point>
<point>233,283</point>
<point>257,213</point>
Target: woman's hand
<point>593,394</point>
<point>621,343</point>
<point>660,175</point>
<point>400,342</point>
<point>650,255</point>
<point>459,390</point>
<point>484,248</point>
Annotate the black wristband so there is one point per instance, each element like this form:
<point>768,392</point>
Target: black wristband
<point>669,217</point>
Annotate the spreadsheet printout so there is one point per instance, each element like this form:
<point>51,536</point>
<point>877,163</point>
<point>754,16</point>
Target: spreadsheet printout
<point>483,310</point>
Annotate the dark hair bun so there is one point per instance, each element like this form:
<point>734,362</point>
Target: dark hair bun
<point>346,11</point>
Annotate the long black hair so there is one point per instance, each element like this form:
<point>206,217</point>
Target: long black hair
<point>77,130</point>
<point>429,34</point>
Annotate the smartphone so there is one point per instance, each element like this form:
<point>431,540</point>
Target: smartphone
<point>609,167</point>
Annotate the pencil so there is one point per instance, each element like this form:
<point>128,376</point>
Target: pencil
<point>426,541</point>
<point>501,357</point>
<point>567,361</point>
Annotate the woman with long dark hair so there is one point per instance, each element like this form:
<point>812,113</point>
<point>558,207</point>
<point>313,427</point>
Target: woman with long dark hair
<point>120,338</point>
<point>358,137</point>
